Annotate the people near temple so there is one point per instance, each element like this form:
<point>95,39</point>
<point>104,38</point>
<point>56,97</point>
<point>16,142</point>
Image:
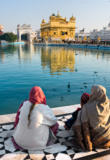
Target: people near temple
<point>69,122</point>
<point>92,126</point>
<point>35,124</point>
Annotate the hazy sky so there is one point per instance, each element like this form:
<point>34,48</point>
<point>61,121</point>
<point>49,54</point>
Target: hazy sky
<point>90,14</point>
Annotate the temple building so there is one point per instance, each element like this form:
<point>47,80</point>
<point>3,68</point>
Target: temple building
<point>58,29</point>
<point>26,29</point>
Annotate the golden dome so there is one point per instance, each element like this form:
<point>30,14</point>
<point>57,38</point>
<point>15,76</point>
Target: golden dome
<point>43,21</point>
<point>72,18</point>
<point>58,16</point>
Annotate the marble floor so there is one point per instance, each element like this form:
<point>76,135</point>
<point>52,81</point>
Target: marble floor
<point>57,152</point>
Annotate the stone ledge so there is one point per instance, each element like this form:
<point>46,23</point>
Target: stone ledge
<point>57,111</point>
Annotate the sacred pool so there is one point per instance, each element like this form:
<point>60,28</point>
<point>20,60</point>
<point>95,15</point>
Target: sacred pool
<point>63,73</point>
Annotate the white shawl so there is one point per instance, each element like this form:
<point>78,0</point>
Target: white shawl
<point>34,136</point>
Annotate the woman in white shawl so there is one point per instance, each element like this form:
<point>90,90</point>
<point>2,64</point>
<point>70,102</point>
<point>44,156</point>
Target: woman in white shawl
<point>92,127</point>
<point>34,123</point>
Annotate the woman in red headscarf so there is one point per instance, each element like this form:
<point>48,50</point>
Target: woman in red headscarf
<point>34,123</point>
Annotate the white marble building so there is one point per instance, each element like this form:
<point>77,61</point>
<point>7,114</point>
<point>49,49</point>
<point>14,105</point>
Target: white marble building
<point>38,32</point>
<point>104,34</point>
<point>80,36</point>
<point>26,29</point>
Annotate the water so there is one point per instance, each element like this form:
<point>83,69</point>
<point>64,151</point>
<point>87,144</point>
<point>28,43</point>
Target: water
<point>63,73</point>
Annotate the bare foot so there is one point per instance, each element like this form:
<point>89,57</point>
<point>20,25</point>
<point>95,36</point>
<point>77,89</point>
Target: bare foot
<point>66,127</point>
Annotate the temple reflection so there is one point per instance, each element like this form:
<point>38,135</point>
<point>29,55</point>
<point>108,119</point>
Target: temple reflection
<point>99,53</point>
<point>57,59</point>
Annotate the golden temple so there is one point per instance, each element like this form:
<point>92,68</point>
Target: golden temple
<point>58,29</point>
<point>57,60</point>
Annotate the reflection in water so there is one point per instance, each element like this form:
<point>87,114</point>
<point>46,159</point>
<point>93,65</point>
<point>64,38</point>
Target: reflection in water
<point>26,52</point>
<point>23,66</point>
<point>2,57</point>
<point>7,49</point>
<point>58,59</point>
<point>11,48</point>
<point>100,53</point>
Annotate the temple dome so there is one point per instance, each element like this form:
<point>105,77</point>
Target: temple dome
<point>72,18</point>
<point>43,21</point>
<point>58,16</point>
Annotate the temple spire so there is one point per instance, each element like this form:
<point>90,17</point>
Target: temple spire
<point>43,21</point>
<point>72,18</point>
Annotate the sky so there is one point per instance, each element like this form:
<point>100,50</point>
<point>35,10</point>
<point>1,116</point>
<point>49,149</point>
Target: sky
<point>89,14</point>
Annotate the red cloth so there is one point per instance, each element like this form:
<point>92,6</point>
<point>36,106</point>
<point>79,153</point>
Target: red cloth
<point>85,97</point>
<point>78,109</point>
<point>17,115</point>
<point>16,145</point>
<point>54,128</point>
<point>36,96</point>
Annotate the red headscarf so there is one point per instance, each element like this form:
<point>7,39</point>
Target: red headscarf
<point>37,96</point>
<point>85,97</point>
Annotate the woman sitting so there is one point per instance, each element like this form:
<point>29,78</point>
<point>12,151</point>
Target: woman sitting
<point>34,123</point>
<point>92,127</point>
<point>70,122</point>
